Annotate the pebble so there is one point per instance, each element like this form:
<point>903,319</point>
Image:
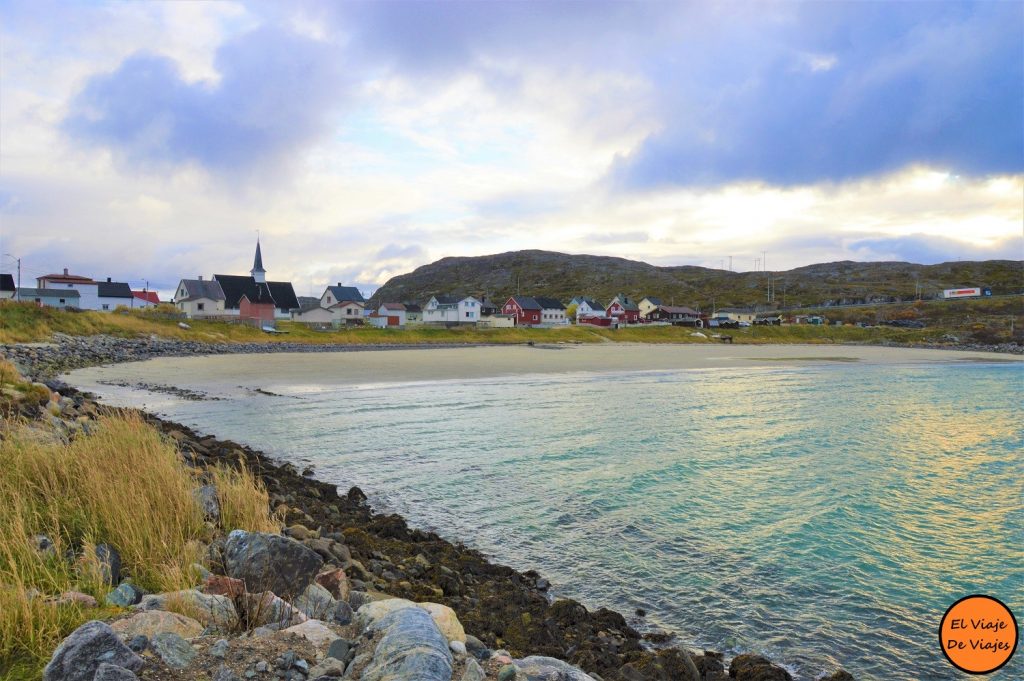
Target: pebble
<point>458,647</point>
<point>507,673</point>
<point>219,649</point>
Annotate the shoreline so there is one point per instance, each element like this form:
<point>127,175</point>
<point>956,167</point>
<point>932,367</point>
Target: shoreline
<point>506,609</point>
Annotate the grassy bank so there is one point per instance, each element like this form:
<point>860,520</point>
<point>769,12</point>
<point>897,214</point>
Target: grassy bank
<point>991,321</point>
<point>123,484</point>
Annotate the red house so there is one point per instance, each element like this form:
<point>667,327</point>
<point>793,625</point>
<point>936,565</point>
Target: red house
<point>526,310</point>
<point>261,310</point>
<point>623,310</point>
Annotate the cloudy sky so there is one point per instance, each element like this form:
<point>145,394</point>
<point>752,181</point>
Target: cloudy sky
<point>152,140</point>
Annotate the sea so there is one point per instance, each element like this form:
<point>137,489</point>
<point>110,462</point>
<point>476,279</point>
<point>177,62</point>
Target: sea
<point>824,515</point>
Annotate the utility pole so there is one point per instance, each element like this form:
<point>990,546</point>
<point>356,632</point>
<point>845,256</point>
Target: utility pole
<point>17,289</point>
<point>730,263</point>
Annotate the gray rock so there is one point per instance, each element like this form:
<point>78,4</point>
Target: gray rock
<point>458,647</point>
<point>138,643</point>
<point>207,499</point>
<point>538,668</point>
<point>339,649</point>
<point>109,561</point>
<point>330,667</point>
<point>225,674</point>
<point>477,648</point>
<point>262,666</point>
<point>316,602</point>
<point>342,613</point>
<point>175,651</point>
<point>474,672</point>
<point>79,656</point>
<point>268,562</point>
<point>111,672</point>
<point>410,647</point>
<point>219,649</point>
<point>125,595</point>
<point>507,673</point>
<point>210,609</point>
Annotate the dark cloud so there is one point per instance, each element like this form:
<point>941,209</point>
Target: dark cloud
<point>844,91</point>
<point>275,96</point>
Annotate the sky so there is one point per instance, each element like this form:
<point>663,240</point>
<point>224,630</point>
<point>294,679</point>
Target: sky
<point>153,141</point>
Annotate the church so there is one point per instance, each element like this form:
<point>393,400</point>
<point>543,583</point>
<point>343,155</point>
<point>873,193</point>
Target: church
<point>254,293</point>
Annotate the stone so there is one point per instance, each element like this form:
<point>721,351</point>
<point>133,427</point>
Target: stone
<point>339,649</point>
<point>261,666</point>
<point>507,673</point>
<point>75,598</point>
<point>342,613</point>
<point>336,582</point>
<point>446,620</point>
<point>268,562</point>
<point>219,585</point>
<point>219,649</point>
<point>109,561</point>
<point>474,672</point>
<point>749,667</point>
<point>314,631</point>
<point>410,646</point>
<point>477,648</point>
<point>138,643</point>
<point>458,647</point>
<point>210,609</point>
<point>152,622</point>
<point>316,602</point>
<point>173,650</point>
<point>329,667</point>
<point>111,672</point>
<point>44,545</point>
<point>79,656</point>
<point>124,595</point>
<point>839,675</point>
<point>207,500</point>
<point>300,532</point>
<point>266,608</point>
<point>550,669</point>
<point>223,673</point>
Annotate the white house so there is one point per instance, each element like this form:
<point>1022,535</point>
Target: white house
<point>314,314</point>
<point>451,310</point>
<point>736,314</point>
<point>199,298</point>
<point>104,296</point>
<point>413,314</point>
<point>552,312</point>
<point>333,295</point>
<point>649,305</point>
<point>111,295</point>
<point>587,307</point>
<point>50,297</point>
<point>392,313</point>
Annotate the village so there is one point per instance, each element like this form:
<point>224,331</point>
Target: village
<point>256,301</point>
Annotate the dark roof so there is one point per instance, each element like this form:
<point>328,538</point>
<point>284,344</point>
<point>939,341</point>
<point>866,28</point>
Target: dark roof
<point>412,307</point>
<point>235,287</point>
<point>260,294</point>
<point>527,303</point>
<point>447,300</point>
<point>257,263</point>
<point>674,309</point>
<point>113,289</point>
<point>6,282</point>
<point>308,302</point>
<point>48,293</point>
<point>736,310</point>
<point>202,288</point>
<point>283,295</point>
<point>626,303</point>
<point>549,303</point>
<point>652,300</point>
<point>593,304</point>
<point>350,293</point>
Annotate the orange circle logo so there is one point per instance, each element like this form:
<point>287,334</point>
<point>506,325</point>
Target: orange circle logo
<point>978,634</point>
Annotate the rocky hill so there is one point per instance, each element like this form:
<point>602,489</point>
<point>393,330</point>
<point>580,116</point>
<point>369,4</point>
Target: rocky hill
<point>563,276</point>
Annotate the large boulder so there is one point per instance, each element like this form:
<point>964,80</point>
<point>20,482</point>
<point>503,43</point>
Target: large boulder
<point>111,672</point>
<point>270,562</point>
<point>444,617</point>
<point>538,668</point>
<point>153,622</point>
<point>410,646</point>
<point>213,611</point>
<point>316,602</point>
<point>207,499</point>
<point>749,667</point>
<point>175,651</point>
<point>264,609</point>
<point>314,631</point>
<point>80,655</point>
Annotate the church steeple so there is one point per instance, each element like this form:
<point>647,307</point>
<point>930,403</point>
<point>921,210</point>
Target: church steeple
<point>257,272</point>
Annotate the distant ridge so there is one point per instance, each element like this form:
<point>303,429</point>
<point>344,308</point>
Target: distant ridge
<point>562,276</point>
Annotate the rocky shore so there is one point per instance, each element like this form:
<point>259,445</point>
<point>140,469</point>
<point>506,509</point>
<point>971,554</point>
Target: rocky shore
<point>348,593</point>
<point>66,353</point>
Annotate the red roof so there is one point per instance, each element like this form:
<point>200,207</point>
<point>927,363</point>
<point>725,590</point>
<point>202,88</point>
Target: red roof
<point>150,296</point>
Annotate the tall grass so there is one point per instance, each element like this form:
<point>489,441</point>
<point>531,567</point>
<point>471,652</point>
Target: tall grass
<point>244,500</point>
<point>123,484</point>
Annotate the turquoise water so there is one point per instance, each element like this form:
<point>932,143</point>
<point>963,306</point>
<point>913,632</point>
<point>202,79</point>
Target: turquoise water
<point>822,515</point>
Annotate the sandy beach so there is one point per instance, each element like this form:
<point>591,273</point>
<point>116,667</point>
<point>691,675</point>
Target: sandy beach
<point>370,368</point>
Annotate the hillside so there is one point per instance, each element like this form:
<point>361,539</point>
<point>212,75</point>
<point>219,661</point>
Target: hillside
<point>563,276</point>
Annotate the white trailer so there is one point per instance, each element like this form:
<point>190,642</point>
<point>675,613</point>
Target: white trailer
<point>974,292</point>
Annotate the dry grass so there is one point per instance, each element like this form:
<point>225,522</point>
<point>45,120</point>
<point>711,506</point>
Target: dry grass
<point>123,484</point>
<point>244,501</point>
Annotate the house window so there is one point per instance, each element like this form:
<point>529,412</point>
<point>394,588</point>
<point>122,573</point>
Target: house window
<point>200,306</point>
<point>61,301</point>
<point>105,306</point>
<point>328,299</point>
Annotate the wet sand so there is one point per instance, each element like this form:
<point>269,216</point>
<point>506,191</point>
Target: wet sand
<point>401,366</point>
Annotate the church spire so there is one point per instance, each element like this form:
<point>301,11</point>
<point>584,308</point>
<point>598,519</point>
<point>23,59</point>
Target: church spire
<point>257,272</point>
